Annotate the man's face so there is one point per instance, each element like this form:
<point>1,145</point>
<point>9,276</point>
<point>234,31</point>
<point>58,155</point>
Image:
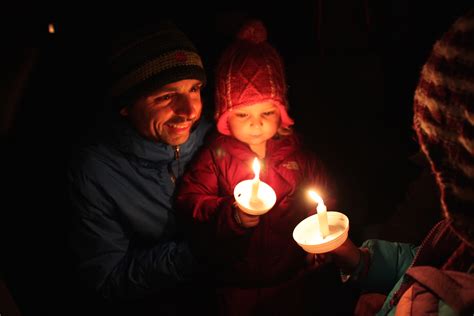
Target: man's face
<point>168,113</point>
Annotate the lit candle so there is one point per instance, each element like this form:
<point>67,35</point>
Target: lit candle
<point>51,29</point>
<point>322,214</point>
<point>255,181</point>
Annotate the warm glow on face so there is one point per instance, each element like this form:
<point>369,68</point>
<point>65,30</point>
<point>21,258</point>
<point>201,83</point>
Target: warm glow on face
<point>256,168</point>
<point>168,113</point>
<point>254,125</point>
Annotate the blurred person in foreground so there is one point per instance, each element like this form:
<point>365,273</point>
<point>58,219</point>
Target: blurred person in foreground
<point>436,276</point>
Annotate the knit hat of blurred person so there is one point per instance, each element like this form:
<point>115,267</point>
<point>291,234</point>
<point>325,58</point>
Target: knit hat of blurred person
<point>149,58</point>
<point>250,71</point>
<point>444,122</point>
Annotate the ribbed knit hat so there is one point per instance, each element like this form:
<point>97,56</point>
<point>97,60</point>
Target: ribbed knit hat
<point>250,71</point>
<point>444,121</point>
<point>151,59</point>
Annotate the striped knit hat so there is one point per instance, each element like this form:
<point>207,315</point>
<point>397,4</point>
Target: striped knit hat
<point>250,71</point>
<point>151,59</point>
<point>444,122</point>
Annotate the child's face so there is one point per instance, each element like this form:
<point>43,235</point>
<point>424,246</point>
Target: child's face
<point>255,124</point>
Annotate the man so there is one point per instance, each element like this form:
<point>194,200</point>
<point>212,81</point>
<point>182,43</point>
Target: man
<point>126,236</point>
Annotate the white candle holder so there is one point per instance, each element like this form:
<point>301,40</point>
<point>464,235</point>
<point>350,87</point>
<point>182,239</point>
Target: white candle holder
<point>308,235</point>
<point>265,201</point>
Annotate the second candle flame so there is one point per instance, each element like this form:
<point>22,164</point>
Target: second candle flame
<point>322,213</point>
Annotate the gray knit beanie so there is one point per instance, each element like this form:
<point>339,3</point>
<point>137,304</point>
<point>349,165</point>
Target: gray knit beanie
<point>151,59</point>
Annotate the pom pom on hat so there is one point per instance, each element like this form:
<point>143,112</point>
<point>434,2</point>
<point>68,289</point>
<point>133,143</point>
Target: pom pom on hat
<point>250,71</point>
<point>253,31</point>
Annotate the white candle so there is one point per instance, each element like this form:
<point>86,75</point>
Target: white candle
<point>322,214</point>
<point>255,181</point>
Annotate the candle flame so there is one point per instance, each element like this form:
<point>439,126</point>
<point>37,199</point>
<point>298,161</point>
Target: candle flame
<point>315,196</point>
<point>51,28</point>
<point>322,215</point>
<point>256,168</point>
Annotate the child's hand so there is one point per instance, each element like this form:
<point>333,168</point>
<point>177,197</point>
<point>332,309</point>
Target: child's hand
<point>244,219</point>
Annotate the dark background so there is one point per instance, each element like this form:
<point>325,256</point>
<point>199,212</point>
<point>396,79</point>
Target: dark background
<point>352,67</point>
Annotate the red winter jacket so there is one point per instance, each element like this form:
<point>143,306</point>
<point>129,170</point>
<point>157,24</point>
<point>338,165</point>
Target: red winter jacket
<point>264,255</point>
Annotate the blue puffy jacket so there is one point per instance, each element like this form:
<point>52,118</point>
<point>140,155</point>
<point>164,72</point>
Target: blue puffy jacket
<point>125,230</point>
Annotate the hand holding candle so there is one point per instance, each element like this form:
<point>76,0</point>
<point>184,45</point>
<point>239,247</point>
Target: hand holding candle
<point>253,196</point>
<point>322,214</point>
<point>313,233</point>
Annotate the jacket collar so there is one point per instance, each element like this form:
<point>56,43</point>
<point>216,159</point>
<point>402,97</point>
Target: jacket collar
<point>130,142</point>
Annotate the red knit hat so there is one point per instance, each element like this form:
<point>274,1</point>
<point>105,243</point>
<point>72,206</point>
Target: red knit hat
<point>250,71</point>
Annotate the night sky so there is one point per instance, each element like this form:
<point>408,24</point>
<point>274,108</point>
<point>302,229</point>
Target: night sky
<point>352,67</point>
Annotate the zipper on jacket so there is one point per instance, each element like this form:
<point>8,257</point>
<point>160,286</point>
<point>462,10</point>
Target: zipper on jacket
<point>176,152</point>
<point>170,165</point>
